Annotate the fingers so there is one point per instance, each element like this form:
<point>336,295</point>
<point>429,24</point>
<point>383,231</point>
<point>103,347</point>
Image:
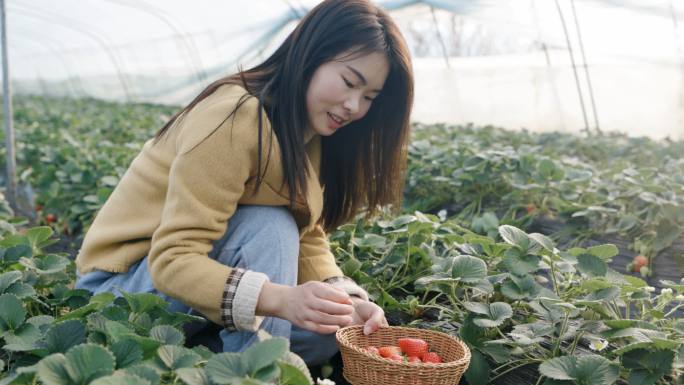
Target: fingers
<point>329,319</point>
<point>330,293</point>
<point>375,320</point>
<point>320,329</point>
<point>335,308</point>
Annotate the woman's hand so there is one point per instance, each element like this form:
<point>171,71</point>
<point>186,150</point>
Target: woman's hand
<point>368,314</point>
<point>314,306</point>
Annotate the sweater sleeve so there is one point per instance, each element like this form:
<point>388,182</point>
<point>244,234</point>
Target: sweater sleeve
<point>215,159</point>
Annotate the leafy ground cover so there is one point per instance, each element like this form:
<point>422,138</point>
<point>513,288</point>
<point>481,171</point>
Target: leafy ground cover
<point>459,257</point>
<point>603,185</point>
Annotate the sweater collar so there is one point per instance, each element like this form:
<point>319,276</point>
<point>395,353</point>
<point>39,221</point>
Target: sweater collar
<point>308,135</point>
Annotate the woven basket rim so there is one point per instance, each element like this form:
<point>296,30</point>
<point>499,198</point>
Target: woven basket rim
<point>465,360</point>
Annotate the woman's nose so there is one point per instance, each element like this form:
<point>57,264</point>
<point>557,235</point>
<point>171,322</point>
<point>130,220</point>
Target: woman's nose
<point>352,104</point>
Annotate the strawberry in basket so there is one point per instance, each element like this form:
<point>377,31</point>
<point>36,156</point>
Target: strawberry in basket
<point>409,350</point>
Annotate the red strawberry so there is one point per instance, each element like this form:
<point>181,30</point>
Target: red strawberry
<point>639,261</point>
<point>395,357</point>
<point>413,346</point>
<point>414,359</point>
<point>50,218</point>
<point>431,357</point>
<point>372,350</point>
<point>387,351</point>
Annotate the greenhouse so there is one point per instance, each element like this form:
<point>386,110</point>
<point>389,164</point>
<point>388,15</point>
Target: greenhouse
<point>342,192</point>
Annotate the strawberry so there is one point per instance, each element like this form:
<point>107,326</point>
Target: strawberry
<point>431,357</point>
<point>414,359</point>
<point>531,208</point>
<point>386,351</point>
<point>413,346</point>
<point>372,350</point>
<point>639,262</point>
<point>395,357</point>
<point>50,218</point>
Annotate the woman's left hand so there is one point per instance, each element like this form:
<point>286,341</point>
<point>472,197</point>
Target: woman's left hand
<point>368,314</point>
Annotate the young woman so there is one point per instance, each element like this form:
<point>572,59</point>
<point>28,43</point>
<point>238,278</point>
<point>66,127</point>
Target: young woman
<point>224,213</point>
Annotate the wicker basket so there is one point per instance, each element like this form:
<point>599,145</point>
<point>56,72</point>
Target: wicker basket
<point>362,368</point>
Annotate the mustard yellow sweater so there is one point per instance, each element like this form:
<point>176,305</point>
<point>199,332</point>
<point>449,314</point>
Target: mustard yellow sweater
<point>177,197</point>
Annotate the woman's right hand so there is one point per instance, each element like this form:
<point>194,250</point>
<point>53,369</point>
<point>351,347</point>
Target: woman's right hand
<point>314,306</point>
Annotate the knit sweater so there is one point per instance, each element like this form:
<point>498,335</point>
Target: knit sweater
<point>177,198</point>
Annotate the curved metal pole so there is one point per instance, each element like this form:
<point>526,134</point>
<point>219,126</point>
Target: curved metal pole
<point>11,182</point>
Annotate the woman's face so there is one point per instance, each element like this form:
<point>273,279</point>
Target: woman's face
<point>342,91</point>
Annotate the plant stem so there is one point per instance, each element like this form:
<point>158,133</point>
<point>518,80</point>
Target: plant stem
<point>524,362</point>
<point>560,334</point>
<point>553,276</point>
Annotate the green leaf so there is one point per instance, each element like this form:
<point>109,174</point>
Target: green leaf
<point>144,302</point>
<point>176,357</point>
<point>87,362</point>
<point>517,288</point>
<point>666,233</point>
<point>52,370</point>
<point>647,366</point>
<point>22,339</point>
<point>21,290</point>
<point>50,264</point>
<point>64,335</point>
<point>595,370</point>
<point>586,370</point>
<point>267,373</point>
<point>559,368</point>
<point>478,372</point>
<point>604,252</point>
<point>591,265</point>
<point>290,375</point>
<point>477,307</point>
<point>514,236</point>
<point>225,367</point>
<point>265,353</point>
<point>120,379</point>
<point>350,266</point>
<point>498,312</point>
<point>543,241</point>
<point>607,294</point>
<point>37,235</point>
<point>117,330</point>
<point>144,371</point>
<point>594,284</point>
<point>127,353</point>
<point>167,335</point>
<point>12,313</point>
<point>520,264</point>
<point>8,278</point>
<point>372,241</point>
<point>468,269</point>
<point>148,345</point>
<point>193,376</point>
<point>15,253</point>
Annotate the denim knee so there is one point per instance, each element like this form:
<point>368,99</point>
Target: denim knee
<point>264,239</point>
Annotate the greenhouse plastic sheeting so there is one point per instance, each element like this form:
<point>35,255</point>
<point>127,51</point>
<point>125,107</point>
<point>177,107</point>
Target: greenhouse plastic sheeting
<point>501,62</point>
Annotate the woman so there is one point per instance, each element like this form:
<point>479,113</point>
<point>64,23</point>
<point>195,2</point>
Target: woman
<point>224,212</point>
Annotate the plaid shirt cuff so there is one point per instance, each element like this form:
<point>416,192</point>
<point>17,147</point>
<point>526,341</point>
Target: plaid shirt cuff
<point>240,296</point>
<point>347,284</point>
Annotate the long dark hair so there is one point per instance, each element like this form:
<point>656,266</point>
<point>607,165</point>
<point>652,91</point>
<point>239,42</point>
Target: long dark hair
<point>363,164</point>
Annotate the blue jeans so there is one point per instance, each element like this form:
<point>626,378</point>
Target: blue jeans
<point>258,238</point>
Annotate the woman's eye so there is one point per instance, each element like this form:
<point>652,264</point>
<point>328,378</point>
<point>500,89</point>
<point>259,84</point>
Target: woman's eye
<point>369,99</point>
<point>347,82</point>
